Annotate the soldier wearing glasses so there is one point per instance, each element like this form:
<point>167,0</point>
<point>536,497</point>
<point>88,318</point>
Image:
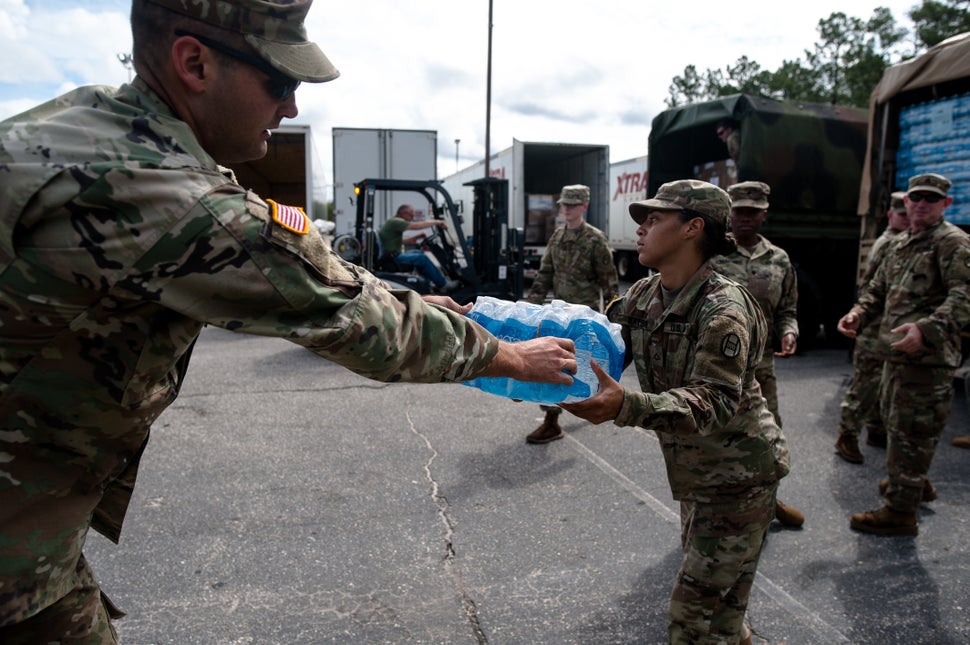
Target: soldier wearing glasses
<point>122,234</point>
<point>922,293</point>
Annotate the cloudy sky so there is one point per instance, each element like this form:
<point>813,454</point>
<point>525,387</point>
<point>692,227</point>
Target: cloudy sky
<point>564,71</point>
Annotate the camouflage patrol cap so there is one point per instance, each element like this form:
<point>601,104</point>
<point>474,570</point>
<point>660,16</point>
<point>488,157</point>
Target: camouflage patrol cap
<point>896,202</point>
<point>574,194</point>
<point>749,194</point>
<point>274,28</point>
<point>691,194</point>
<point>929,182</point>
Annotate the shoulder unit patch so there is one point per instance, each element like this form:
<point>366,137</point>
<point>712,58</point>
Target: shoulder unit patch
<point>731,345</point>
<point>292,218</point>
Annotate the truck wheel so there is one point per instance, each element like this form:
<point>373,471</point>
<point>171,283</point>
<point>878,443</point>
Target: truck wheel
<point>624,265</point>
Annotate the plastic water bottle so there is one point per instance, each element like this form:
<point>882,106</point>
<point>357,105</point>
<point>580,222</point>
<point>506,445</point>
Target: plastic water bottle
<point>595,338</point>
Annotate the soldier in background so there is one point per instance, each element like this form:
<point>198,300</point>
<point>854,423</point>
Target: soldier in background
<point>121,237</point>
<point>860,405</point>
<point>578,268</point>
<point>696,339</point>
<point>768,274</point>
<point>922,293</point>
<point>728,132</point>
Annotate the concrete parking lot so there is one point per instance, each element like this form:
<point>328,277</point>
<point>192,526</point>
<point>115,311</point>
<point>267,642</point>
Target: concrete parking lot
<point>283,499</point>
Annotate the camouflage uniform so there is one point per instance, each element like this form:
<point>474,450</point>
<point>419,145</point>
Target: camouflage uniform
<point>120,238</point>
<point>860,405</point>
<point>725,454</point>
<point>926,280</point>
<point>769,275</point>
<point>578,266</point>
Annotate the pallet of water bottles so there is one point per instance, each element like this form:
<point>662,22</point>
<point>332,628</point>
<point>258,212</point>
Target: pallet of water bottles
<point>935,137</point>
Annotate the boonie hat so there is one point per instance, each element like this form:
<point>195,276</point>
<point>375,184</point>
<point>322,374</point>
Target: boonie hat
<point>896,202</point>
<point>929,182</point>
<point>692,194</point>
<point>273,28</point>
<point>574,194</point>
<point>749,194</point>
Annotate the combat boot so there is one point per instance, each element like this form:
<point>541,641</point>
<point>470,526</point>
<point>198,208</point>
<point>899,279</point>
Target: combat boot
<point>929,490</point>
<point>885,521</point>
<point>962,441</point>
<point>847,447</point>
<point>548,431</point>
<point>876,439</point>
<point>788,515</point>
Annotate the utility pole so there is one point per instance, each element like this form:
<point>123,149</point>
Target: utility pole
<point>488,97</point>
<point>126,62</point>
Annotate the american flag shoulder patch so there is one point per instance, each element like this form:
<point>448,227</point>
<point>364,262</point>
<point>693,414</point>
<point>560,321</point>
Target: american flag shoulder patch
<point>292,218</point>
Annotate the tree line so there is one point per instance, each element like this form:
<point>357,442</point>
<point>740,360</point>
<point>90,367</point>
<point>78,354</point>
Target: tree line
<point>842,67</point>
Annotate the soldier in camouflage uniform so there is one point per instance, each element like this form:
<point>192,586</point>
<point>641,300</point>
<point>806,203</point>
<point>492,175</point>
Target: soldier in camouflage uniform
<point>578,267</point>
<point>922,293</point>
<point>860,405</point>
<point>769,275</point>
<point>121,236</point>
<point>696,339</point>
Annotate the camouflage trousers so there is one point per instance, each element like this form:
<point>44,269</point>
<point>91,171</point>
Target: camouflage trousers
<point>722,544</point>
<point>82,617</point>
<point>860,405</point>
<point>915,405</point>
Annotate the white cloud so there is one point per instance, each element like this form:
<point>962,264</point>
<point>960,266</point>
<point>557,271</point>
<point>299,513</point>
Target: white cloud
<point>567,71</point>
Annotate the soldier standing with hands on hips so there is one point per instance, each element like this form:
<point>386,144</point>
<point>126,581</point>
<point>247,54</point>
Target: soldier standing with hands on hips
<point>122,234</point>
<point>921,296</point>
<point>578,267</point>
<point>696,339</point>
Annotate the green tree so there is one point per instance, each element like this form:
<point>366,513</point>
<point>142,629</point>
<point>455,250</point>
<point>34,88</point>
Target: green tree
<point>842,67</point>
<point>935,21</point>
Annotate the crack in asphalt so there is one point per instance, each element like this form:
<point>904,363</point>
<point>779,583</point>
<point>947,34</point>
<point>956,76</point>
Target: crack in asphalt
<point>451,566</point>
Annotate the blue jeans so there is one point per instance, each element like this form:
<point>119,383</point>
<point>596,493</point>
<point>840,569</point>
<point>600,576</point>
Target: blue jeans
<point>417,259</point>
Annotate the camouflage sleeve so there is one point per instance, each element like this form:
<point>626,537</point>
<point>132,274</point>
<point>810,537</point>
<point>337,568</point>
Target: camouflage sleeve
<point>946,321</point>
<point>605,269</point>
<point>786,313</point>
<point>543,280</point>
<point>227,263</point>
<point>871,300</point>
<point>710,397</point>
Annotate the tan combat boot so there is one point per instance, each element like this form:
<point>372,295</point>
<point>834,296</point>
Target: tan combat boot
<point>788,515</point>
<point>847,447</point>
<point>962,441</point>
<point>548,431</point>
<point>885,521</point>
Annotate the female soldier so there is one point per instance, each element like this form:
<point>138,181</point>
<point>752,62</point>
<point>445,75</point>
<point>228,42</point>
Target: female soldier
<point>696,339</point>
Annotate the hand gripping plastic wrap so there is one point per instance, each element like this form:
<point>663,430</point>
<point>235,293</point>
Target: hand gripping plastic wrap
<point>595,338</point>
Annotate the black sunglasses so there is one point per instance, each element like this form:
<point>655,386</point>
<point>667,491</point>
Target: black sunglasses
<point>929,198</point>
<point>280,86</point>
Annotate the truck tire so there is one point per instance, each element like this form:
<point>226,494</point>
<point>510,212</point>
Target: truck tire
<point>627,265</point>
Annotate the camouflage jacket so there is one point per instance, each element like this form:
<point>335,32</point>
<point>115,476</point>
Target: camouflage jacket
<point>120,238</point>
<point>768,274</point>
<point>924,280</point>
<point>867,341</point>
<point>696,361</point>
<point>577,265</point>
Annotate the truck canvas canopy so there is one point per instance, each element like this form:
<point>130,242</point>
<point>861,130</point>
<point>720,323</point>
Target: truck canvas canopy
<point>938,80</point>
<point>809,153</point>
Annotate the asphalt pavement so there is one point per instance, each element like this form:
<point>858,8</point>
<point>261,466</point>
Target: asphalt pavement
<point>283,499</point>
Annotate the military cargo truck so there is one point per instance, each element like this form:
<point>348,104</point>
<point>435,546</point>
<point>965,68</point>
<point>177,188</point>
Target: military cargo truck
<point>811,155</point>
<point>919,122</point>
